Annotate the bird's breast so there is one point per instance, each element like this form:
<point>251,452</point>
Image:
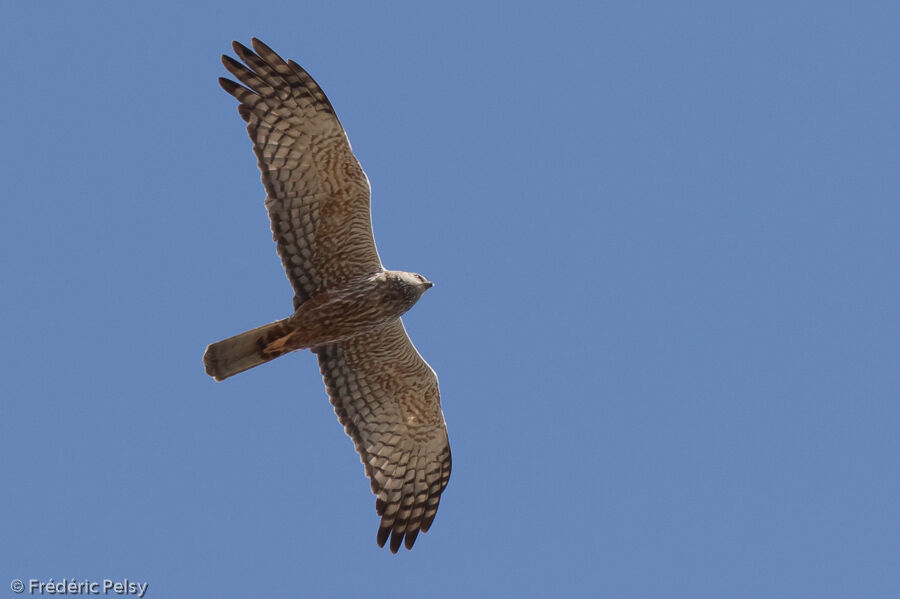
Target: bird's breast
<point>333,316</point>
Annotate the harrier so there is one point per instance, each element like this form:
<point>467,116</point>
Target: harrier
<point>347,307</point>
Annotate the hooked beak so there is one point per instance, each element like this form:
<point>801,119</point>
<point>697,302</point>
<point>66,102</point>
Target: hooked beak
<point>428,284</point>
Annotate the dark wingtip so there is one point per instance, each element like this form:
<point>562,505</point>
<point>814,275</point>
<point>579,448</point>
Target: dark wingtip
<point>396,541</point>
<point>426,523</point>
<point>262,48</point>
<point>238,47</point>
<point>231,63</point>
<point>228,85</point>
<point>383,534</point>
<point>410,538</point>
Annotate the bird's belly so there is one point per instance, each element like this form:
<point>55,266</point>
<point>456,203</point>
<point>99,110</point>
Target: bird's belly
<point>324,320</point>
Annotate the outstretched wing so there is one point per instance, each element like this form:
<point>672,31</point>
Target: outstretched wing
<point>317,194</point>
<point>387,398</point>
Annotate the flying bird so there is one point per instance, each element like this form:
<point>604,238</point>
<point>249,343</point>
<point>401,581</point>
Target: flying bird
<point>347,306</point>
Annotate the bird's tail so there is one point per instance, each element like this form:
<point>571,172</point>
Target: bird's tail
<point>239,353</point>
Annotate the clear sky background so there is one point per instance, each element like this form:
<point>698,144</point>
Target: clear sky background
<point>666,320</point>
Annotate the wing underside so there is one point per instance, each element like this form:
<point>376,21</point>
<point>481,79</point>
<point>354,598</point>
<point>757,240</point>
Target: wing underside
<point>317,193</point>
<point>387,398</point>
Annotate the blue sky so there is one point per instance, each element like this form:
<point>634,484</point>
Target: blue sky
<point>665,242</point>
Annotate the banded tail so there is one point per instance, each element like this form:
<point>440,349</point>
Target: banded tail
<point>242,352</point>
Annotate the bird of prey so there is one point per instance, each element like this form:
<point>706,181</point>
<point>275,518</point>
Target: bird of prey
<point>347,307</point>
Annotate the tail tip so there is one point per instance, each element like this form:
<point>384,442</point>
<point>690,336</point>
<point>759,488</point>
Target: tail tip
<point>211,365</point>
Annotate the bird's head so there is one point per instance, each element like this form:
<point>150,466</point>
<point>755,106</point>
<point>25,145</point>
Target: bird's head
<point>425,283</point>
<point>410,285</point>
<point>416,280</point>
<point>401,289</point>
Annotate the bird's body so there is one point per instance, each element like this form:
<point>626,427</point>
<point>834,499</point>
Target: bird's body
<point>330,316</point>
<point>347,307</point>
